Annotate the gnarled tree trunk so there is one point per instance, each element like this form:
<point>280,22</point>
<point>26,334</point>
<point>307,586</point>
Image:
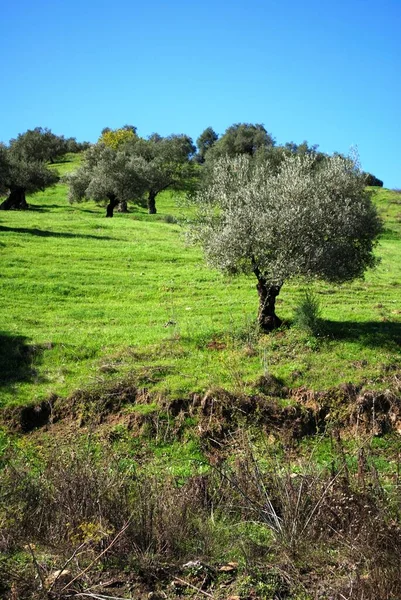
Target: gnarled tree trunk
<point>152,202</point>
<point>267,318</point>
<point>111,205</point>
<point>15,201</point>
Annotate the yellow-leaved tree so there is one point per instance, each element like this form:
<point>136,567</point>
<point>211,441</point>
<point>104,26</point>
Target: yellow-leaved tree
<point>117,138</point>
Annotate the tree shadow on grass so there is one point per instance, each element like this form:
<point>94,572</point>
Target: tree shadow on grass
<point>46,233</point>
<point>44,207</point>
<point>376,334</point>
<point>18,359</point>
<point>91,211</point>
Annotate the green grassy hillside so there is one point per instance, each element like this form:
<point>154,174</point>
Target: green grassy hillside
<point>156,446</point>
<point>85,298</point>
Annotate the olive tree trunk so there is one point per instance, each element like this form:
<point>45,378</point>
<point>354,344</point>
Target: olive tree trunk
<point>267,318</point>
<point>15,201</point>
<point>113,202</point>
<point>152,202</point>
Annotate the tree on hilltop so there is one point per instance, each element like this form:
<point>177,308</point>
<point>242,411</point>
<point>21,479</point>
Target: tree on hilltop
<point>75,147</point>
<point>205,142</point>
<point>278,224</point>
<point>274,155</point>
<point>117,138</point>
<point>372,180</point>
<point>241,138</point>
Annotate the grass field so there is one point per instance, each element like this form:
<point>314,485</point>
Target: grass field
<point>86,299</point>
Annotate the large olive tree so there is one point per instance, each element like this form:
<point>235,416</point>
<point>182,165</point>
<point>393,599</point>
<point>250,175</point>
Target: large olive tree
<point>277,224</point>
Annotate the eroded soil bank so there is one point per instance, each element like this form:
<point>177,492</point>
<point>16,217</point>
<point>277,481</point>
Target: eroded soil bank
<point>281,493</point>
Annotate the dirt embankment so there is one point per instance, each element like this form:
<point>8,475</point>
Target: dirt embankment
<point>216,414</point>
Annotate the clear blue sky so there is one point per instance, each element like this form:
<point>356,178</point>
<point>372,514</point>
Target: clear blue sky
<point>325,71</point>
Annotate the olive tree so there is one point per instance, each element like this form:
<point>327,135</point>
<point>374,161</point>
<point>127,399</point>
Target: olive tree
<point>165,164</point>
<point>278,224</point>
<point>21,175</point>
<point>240,138</point>
<point>39,144</point>
<point>108,177</point>
<point>205,142</point>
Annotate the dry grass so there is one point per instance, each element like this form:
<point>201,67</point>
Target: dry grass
<point>332,534</point>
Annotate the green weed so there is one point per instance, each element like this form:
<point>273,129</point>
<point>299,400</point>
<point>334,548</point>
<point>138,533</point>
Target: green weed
<point>307,313</point>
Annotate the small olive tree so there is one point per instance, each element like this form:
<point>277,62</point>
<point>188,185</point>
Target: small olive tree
<point>205,142</point>
<point>21,175</point>
<point>240,138</point>
<point>39,144</point>
<point>165,164</point>
<point>300,220</point>
<point>108,177</point>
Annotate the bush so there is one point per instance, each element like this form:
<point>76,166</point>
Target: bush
<point>170,219</point>
<point>307,313</point>
<point>331,530</point>
<point>81,494</point>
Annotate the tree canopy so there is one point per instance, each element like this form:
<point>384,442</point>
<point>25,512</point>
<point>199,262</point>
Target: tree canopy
<point>205,142</point>
<point>241,138</point>
<point>373,180</point>
<point>21,174</point>
<point>139,169</point>
<point>165,163</point>
<point>107,176</point>
<point>39,144</point>
<point>117,138</point>
<point>295,220</point>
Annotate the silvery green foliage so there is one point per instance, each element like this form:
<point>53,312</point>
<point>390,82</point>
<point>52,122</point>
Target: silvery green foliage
<point>302,220</point>
<point>38,145</point>
<point>165,160</point>
<point>19,171</point>
<point>107,172</point>
<point>140,167</point>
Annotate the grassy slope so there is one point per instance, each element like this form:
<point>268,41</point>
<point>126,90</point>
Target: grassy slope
<point>84,298</point>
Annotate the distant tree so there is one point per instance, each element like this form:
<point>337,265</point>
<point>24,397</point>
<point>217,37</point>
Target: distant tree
<point>372,180</point>
<point>38,144</point>
<point>117,138</point>
<point>277,225</point>
<point>75,147</point>
<point>205,141</point>
<point>274,155</point>
<point>130,128</point>
<point>108,177</point>
<point>21,175</point>
<point>241,138</point>
<point>166,163</point>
